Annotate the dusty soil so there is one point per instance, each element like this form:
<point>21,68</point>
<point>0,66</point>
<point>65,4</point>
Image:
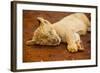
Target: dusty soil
<point>38,53</point>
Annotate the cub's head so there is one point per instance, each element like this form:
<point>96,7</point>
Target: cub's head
<point>45,34</point>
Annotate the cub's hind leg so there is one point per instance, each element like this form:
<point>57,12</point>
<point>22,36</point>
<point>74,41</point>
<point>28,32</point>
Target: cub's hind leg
<point>78,42</point>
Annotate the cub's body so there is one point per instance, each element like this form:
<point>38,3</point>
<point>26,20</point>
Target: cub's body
<point>66,30</point>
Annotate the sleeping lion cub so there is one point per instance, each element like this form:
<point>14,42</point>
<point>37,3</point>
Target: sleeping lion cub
<point>67,30</point>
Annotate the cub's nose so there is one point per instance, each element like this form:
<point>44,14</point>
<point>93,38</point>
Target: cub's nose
<point>56,41</point>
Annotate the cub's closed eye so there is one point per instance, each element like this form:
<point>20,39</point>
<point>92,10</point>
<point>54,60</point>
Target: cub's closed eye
<point>50,32</point>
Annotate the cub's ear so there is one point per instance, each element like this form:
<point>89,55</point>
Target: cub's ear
<point>30,42</point>
<point>40,18</point>
<point>43,21</point>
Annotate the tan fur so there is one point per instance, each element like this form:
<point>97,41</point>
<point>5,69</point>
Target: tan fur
<point>70,28</point>
<point>44,34</point>
<point>66,30</point>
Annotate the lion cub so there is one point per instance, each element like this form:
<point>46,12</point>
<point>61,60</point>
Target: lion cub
<point>67,30</point>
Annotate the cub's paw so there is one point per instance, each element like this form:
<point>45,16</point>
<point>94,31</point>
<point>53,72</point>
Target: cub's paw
<point>80,46</point>
<point>72,48</point>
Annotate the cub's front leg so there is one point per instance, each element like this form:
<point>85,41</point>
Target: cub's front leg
<point>73,41</point>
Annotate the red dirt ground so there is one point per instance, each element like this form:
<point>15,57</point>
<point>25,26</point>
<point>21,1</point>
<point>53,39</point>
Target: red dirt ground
<point>38,53</point>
